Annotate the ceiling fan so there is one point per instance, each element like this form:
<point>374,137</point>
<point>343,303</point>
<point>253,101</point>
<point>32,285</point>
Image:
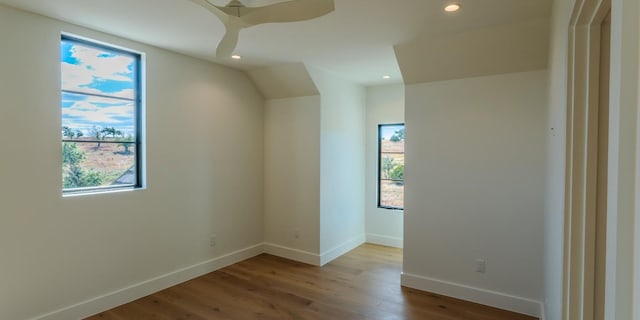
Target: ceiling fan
<point>236,16</point>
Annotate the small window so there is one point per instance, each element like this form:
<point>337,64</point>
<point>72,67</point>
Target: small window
<point>391,166</point>
<point>101,117</point>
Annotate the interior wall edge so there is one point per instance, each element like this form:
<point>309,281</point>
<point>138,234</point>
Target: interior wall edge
<point>341,249</point>
<point>384,240</point>
<point>292,254</point>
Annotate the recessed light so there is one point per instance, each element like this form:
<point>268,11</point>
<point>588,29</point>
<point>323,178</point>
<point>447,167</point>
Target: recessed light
<point>236,57</point>
<point>386,77</point>
<point>453,7</point>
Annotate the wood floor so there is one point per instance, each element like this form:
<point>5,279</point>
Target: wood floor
<point>363,284</point>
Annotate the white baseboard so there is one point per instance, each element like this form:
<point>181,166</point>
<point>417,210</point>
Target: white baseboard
<point>477,295</point>
<point>341,249</point>
<point>313,258</point>
<point>384,240</point>
<point>113,299</point>
<point>142,289</point>
<point>543,315</point>
<point>292,254</point>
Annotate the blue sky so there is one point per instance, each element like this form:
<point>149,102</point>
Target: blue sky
<point>95,73</point>
<point>388,131</point>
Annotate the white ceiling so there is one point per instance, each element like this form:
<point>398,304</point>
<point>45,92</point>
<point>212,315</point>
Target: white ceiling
<point>355,41</point>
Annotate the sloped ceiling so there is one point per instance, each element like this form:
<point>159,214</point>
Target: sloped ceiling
<point>517,47</point>
<point>284,81</point>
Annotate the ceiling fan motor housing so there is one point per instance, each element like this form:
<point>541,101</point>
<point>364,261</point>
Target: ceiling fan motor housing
<point>235,4</point>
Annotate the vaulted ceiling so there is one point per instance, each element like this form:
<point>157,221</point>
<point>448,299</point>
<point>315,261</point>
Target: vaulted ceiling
<point>355,42</point>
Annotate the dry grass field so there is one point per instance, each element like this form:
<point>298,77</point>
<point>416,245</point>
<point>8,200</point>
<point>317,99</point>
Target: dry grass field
<point>392,192</point>
<point>110,159</point>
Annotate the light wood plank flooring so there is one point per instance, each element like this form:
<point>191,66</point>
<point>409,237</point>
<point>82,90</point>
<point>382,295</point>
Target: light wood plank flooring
<point>363,284</point>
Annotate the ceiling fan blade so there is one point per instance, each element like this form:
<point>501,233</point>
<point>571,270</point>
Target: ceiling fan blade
<point>235,18</point>
<point>290,11</point>
<point>222,15</point>
<point>228,43</point>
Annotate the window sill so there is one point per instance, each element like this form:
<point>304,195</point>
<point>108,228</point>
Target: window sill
<point>91,192</point>
<point>400,210</point>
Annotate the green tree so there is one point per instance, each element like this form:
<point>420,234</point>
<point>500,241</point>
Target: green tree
<point>387,166</point>
<point>70,133</point>
<point>74,176</point>
<point>397,173</point>
<point>71,155</point>
<point>67,132</point>
<point>96,132</point>
<point>126,143</point>
<point>111,131</point>
<point>397,135</point>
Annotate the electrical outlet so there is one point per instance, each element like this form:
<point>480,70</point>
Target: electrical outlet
<point>212,240</point>
<point>481,266</point>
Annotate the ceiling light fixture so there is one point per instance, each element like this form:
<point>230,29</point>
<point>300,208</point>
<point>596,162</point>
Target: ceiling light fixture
<point>236,57</point>
<point>453,7</point>
<point>386,77</point>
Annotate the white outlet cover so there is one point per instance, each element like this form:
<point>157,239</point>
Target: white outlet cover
<point>481,266</point>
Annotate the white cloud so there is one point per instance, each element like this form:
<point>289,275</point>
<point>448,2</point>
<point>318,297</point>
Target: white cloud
<point>83,115</point>
<point>111,68</point>
<point>93,66</point>
<point>74,76</point>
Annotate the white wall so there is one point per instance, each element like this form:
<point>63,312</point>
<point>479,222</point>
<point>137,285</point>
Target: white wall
<point>292,176</point>
<point>314,167</point>
<point>342,150</point>
<point>204,168</point>
<point>475,154</point>
<point>556,144</point>
<point>385,104</point>
<point>623,209</point>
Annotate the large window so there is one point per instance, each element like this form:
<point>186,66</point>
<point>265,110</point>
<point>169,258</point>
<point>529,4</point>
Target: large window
<point>391,166</point>
<point>101,117</point>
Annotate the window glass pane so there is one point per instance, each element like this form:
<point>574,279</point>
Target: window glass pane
<point>98,118</point>
<point>392,194</point>
<point>391,166</point>
<point>98,164</point>
<point>392,138</point>
<point>89,69</point>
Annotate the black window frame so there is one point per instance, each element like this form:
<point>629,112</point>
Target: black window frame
<point>138,114</point>
<point>379,169</point>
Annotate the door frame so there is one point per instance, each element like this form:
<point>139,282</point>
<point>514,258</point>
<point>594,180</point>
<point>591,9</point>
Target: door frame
<point>622,274</point>
<point>582,158</point>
